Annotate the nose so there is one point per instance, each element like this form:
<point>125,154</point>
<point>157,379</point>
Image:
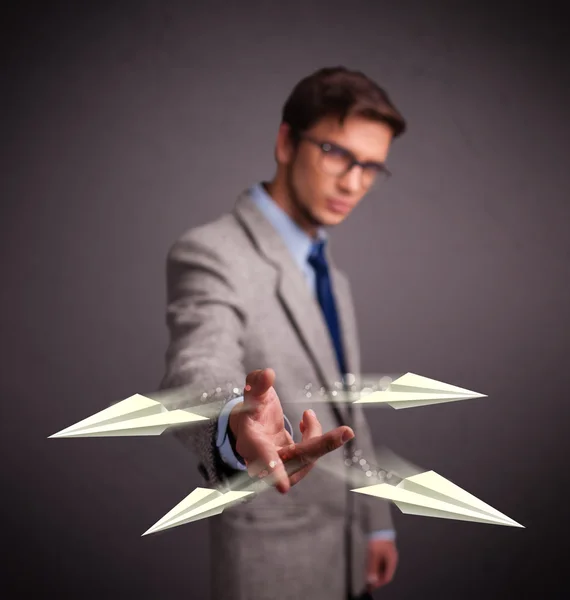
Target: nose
<point>352,180</point>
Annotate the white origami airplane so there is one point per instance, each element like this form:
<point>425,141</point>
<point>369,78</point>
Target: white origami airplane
<point>420,493</point>
<point>412,390</point>
<point>431,495</point>
<point>140,415</point>
<point>137,415</point>
<point>207,502</point>
<point>426,494</point>
<point>200,504</point>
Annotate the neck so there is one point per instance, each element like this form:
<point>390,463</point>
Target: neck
<point>279,192</point>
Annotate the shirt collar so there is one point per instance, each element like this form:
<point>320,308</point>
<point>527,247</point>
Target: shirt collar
<point>297,241</point>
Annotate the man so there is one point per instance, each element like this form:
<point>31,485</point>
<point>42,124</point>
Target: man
<point>254,297</point>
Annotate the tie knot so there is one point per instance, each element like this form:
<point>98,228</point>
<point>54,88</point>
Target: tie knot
<point>317,257</point>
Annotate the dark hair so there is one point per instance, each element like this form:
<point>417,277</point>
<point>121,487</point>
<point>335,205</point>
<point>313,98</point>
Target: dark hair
<point>339,92</point>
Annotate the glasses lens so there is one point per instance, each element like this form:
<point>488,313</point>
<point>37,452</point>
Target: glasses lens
<point>337,162</point>
<point>370,176</point>
<point>373,176</point>
<point>334,161</point>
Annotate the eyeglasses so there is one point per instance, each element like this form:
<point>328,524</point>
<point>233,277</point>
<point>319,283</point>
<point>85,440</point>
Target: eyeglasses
<point>338,161</point>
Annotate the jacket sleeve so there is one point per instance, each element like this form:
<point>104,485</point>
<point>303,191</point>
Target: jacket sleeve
<point>204,360</point>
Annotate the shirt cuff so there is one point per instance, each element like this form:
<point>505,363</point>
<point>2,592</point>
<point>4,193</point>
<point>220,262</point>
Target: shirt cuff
<point>382,534</point>
<point>288,426</point>
<point>223,441</point>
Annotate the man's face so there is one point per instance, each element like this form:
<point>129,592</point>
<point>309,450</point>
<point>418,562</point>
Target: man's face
<point>320,196</point>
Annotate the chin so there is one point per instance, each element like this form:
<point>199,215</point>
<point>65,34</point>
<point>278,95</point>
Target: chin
<point>330,218</point>
<point>326,218</point>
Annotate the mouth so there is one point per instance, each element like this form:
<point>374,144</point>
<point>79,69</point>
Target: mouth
<point>338,206</point>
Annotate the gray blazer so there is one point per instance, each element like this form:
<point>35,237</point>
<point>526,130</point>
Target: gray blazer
<point>238,302</point>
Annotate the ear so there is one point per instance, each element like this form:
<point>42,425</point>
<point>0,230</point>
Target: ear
<point>284,146</point>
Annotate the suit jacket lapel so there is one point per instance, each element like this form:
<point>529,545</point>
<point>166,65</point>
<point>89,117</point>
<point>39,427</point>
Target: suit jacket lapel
<point>303,309</point>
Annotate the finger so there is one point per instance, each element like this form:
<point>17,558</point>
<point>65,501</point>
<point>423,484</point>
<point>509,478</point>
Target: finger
<point>381,578</point>
<point>259,381</point>
<point>372,570</point>
<point>312,449</point>
<point>297,476</point>
<point>296,469</point>
<point>372,583</point>
<point>386,567</point>
<point>373,573</point>
<point>264,461</point>
<point>257,384</point>
<point>391,564</point>
<point>311,426</point>
<point>300,458</point>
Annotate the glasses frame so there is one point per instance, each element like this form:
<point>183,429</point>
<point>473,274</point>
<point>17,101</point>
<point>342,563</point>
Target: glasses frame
<point>325,147</point>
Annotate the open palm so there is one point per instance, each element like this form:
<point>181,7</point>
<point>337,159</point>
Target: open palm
<point>266,446</point>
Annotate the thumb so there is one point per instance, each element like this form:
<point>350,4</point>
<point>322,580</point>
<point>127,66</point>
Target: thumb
<point>372,583</point>
<point>372,571</point>
<point>372,578</point>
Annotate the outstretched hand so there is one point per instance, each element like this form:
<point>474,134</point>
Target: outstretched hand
<point>264,443</point>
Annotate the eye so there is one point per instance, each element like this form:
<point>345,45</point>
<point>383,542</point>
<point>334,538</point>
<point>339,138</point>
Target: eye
<point>333,150</point>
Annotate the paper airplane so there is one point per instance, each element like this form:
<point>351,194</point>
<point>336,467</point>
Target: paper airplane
<point>200,504</point>
<point>204,502</point>
<point>137,415</point>
<point>411,390</point>
<point>431,495</point>
<point>426,494</point>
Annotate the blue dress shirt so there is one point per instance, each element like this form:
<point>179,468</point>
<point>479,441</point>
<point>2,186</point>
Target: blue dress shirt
<point>299,244</point>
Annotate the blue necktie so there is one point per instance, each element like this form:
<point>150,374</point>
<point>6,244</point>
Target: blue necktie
<point>318,261</point>
<point>326,299</point>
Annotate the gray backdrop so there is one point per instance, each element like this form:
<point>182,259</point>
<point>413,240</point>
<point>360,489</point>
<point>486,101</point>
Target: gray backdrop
<point>124,124</point>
